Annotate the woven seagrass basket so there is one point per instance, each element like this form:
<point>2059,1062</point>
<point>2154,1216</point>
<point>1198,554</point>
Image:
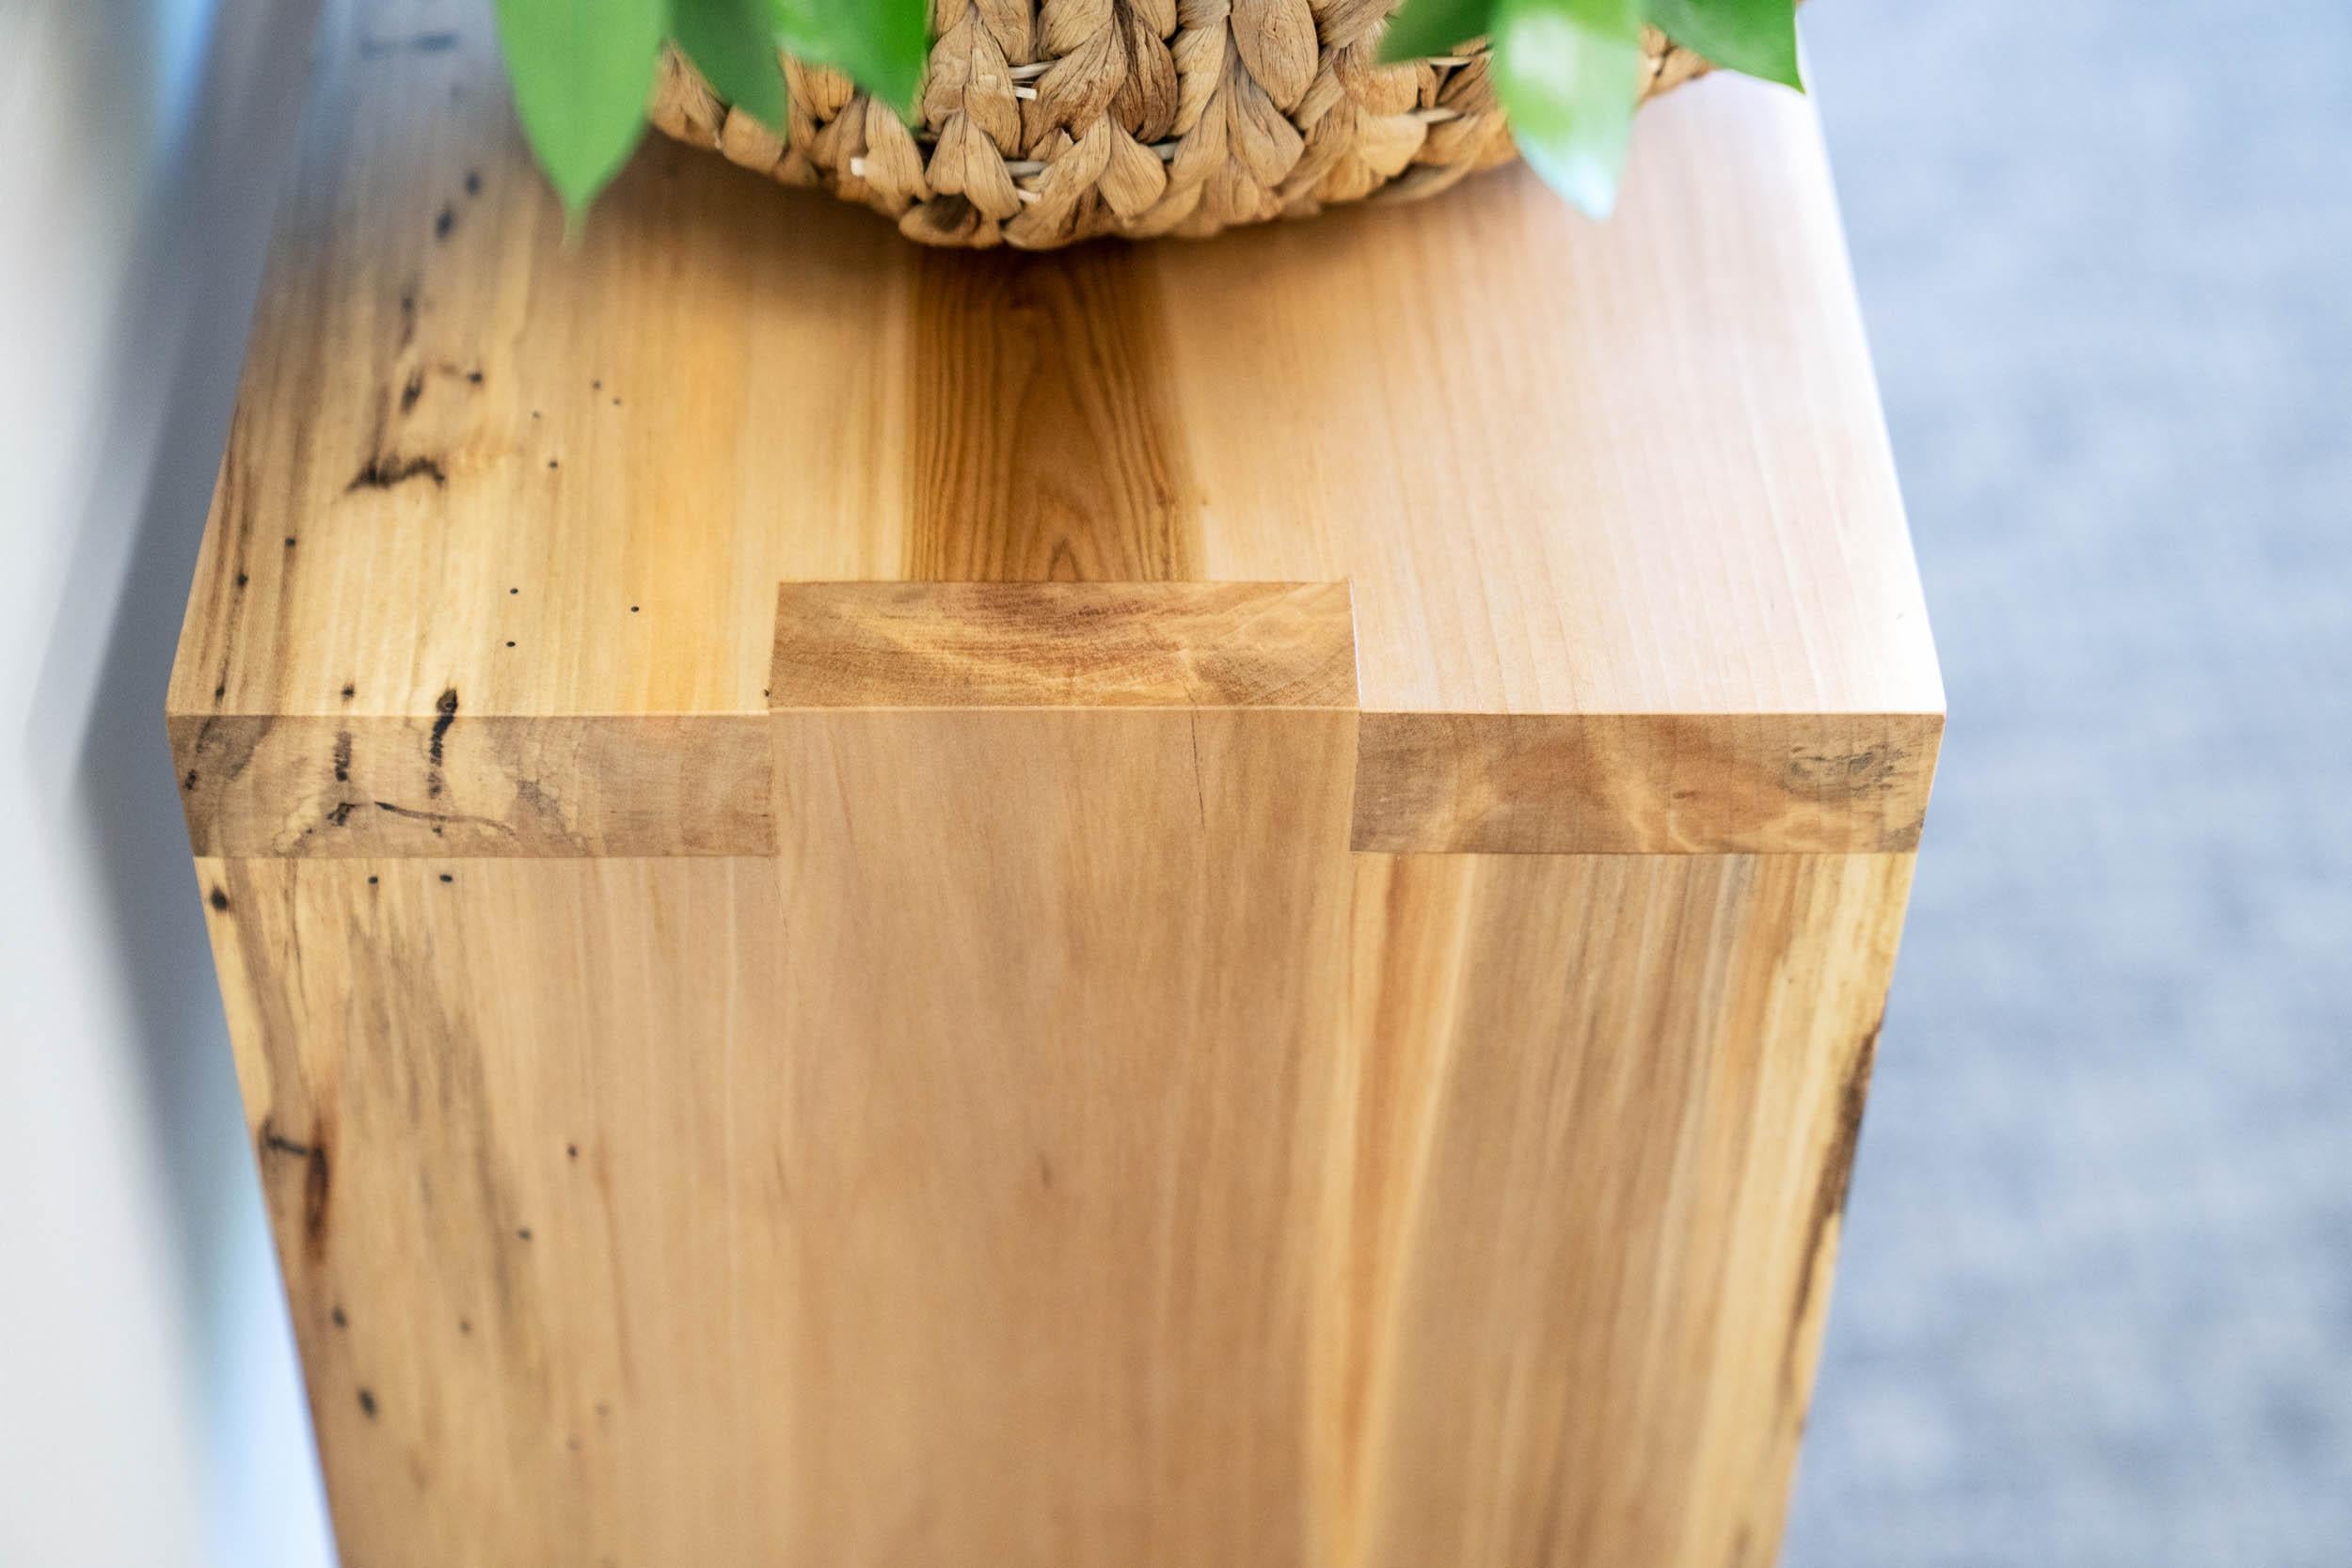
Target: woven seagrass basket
<point>1046,121</point>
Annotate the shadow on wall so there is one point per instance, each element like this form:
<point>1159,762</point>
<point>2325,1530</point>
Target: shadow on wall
<point>102,774</point>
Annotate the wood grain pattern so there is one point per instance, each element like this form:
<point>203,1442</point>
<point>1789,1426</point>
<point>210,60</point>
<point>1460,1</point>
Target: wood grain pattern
<point>1568,473</point>
<point>1054,1279</point>
<point>461,784</point>
<point>508,1114</point>
<point>1095,645</point>
<point>1043,434</point>
<point>1395,1211</point>
<point>1664,1174</point>
<point>1644,783</point>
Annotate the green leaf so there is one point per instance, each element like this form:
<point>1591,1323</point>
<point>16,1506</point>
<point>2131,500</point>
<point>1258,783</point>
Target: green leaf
<point>1568,72</point>
<point>1756,37</point>
<point>1430,28</point>
<point>581,71</point>
<point>878,43</point>
<point>730,43</point>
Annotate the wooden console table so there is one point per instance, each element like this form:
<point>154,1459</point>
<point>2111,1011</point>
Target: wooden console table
<point>1212,904</point>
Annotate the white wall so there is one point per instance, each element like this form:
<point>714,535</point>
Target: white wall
<point>149,1411</point>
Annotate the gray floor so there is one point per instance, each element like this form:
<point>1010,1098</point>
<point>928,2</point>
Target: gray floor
<point>2096,1306</point>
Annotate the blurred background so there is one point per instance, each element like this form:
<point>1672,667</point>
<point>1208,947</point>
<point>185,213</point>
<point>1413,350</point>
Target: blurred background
<point>150,1415</point>
<point>2095,1302</point>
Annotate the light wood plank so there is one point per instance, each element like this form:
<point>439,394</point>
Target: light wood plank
<point>1606,1110</point>
<point>1120,1171</point>
<point>506,1117</point>
<point>1065,990</point>
<point>1569,472</point>
<point>1050,1235</point>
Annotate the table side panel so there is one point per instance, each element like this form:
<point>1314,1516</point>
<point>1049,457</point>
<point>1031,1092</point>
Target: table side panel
<point>1228,1206</point>
<point>1606,1114</point>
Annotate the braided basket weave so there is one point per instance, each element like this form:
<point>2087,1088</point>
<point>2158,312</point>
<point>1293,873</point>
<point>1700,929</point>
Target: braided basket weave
<point>1046,121</point>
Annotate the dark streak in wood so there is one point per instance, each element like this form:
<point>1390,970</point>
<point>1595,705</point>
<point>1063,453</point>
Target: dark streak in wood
<point>445,818</point>
<point>275,1142</point>
<point>445,711</point>
<point>385,472</point>
<point>1873,771</point>
<point>317,1181</point>
<point>1045,443</point>
<point>1829,1191</point>
<point>316,1190</point>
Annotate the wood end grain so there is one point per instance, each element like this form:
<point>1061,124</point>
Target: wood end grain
<point>1644,783</point>
<point>1064,644</point>
<point>454,783</point>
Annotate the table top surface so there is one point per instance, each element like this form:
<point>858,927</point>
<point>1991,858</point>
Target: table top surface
<point>1564,467</point>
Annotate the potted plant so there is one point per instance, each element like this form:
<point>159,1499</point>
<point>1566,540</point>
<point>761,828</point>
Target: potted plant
<point>1038,123</point>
